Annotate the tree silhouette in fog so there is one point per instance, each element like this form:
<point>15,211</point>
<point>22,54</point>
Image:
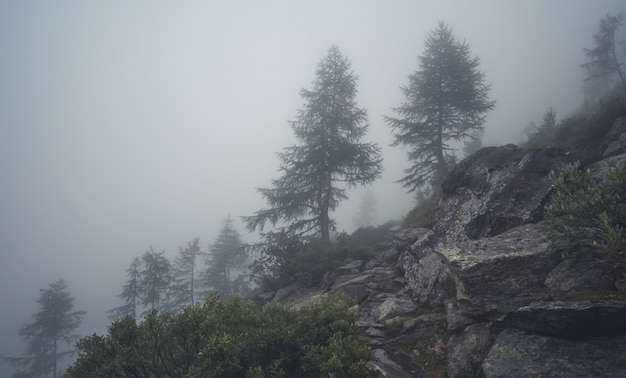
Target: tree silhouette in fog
<point>446,101</point>
<point>51,328</point>
<point>330,158</point>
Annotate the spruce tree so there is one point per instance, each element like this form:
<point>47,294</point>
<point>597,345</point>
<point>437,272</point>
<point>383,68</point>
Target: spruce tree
<point>329,159</point>
<point>446,101</point>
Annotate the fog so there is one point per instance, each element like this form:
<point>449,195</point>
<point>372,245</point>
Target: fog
<point>125,125</point>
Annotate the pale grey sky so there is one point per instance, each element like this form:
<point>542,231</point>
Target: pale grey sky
<point>130,124</point>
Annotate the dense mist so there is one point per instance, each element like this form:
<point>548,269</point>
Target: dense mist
<point>130,125</point>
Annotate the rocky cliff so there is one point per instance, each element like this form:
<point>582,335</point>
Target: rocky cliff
<point>485,293</point>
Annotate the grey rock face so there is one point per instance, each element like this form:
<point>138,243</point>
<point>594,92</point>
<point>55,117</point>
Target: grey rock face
<point>572,320</point>
<point>467,350</point>
<point>495,189</point>
<point>580,275</point>
<point>615,141</point>
<point>486,289</point>
<point>520,354</point>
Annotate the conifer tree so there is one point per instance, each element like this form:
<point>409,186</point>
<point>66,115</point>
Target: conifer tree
<point>446,101</point>
<point>365,215</point>
<point>330,159</point>
<point>155,279</point>
<point>183,287</point>
<point>226,257</point>
<point>53,325</point>
<point>131,292</point>
<point>603,64</point>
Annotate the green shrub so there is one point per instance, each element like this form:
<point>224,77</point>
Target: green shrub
<point>583,135</point>
<point>590,213</point>
<point>292,260</point>
<point>423,214</point>
<point>306,260</point>
<point>230,339</point>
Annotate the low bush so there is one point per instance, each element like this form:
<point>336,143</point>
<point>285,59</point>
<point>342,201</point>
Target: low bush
<point>423,214</point>
<point>291,260</point>
<point>583,134</point>
<point>306,260</point>
<point>588,212</point>
<point>230,339</point>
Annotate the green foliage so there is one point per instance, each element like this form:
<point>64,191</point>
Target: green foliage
<point>423,214</point>
<point>394,327</point>
<point>583,135</point>
<point>305,260</point>
<point>446,101</point>
<point>330,159</point>
<point>590,213</point>
<point>599,296</point>
<point>432,356</point>
<point>230,339</point>
<point>291,260</point>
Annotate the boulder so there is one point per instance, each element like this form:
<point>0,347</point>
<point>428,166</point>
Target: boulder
<point>615,140</point>
<point>487,277</point>
<point>580,275</point>
<point>572,320</point>
<point>426,274</point>
<point>520,354</point>
<point>495,189</point>
<point>467,350</point>
<point>395,305</point>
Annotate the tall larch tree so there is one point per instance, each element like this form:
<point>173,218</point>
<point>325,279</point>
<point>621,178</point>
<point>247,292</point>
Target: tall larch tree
<point>155,279</point>
<point>603,64</point>
<point>227,256</point>
<point>329,159</point>
<point>183,287</point>
<point>52,327</point>
<point>131,292</point>
<point>446,101</point>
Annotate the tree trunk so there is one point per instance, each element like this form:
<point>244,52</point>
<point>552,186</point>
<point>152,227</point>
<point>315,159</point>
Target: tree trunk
<point>324,205</point>
<point>54,358</point>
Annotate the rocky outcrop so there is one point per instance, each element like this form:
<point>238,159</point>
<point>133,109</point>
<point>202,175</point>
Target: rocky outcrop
<point>488,262</point>
<point>485,292</point>
<point>520,354</point>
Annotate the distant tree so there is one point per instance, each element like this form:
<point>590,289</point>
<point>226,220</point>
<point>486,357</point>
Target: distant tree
<point>603,63</point>
<point>531,130</point>
<point>183,287</point>
<point>331,158</point>
<point>131,292</point>
<point>365,216</point>
<point>542,135</point>
<point>548,122</point>
<point>155,279</point>
<point>52,326</point>
<point>446,101</point>
<point>226,257</point>
<point>474,143</point>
